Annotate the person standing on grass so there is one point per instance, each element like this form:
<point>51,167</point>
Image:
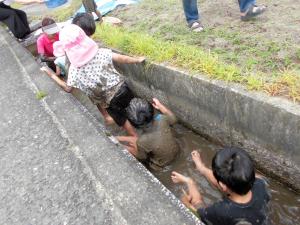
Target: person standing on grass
<point>16,19</point>
<point>245,198</point>
<point>248,10</point>
<point>90,6</point>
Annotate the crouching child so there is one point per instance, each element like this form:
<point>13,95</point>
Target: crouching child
<point>92,72</point>
<point>156,147</point>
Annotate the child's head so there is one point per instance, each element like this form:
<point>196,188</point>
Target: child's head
<point>73,42</point>
<point>49,27</point>
<point>86,22</point>
<point>234,168</point>
<point>139,112</point>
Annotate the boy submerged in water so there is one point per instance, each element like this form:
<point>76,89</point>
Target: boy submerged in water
<point>156,147</point>
<point>246,196</point>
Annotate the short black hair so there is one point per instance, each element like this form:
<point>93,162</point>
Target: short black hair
<point>86,22</point>
<point>234,167</point>
<point>139,112</point>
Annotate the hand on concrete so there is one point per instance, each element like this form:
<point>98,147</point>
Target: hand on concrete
<point>141,59</point>
<point>198,161</point>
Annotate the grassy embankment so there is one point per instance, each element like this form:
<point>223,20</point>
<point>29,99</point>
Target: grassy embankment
<point>175,45</point>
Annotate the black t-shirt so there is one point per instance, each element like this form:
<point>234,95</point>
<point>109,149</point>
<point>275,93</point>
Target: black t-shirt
<point>228,212</point>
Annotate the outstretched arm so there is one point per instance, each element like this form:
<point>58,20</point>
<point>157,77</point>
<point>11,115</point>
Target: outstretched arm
<point>126,59</point>
<point>26,2</point>
<point>132,147</point>
<point>59,81</point>
<point>205,171</point>
<point>164,110</point>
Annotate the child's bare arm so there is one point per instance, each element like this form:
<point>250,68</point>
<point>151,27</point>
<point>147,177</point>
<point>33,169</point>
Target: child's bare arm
<point>132,148</point>
<point>59,81</point>
<point>164,110</point>
<point>205,171</point>
<point>126,59</point>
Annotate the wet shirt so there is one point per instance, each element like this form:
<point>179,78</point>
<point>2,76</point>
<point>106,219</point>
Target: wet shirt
<point>98,78</point>
<point>231,213</point>
<point>45,45</point>
<point>157,146</point>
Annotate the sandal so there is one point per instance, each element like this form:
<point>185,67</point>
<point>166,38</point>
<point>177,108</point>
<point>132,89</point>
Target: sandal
<point>196,26</point>
<point>253,11</point>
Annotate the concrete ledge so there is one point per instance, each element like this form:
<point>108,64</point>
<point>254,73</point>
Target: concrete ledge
<point>128,193</point>
<point>267,127</point>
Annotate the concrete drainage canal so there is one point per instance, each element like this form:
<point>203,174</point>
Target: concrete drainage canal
<point>163,83</point>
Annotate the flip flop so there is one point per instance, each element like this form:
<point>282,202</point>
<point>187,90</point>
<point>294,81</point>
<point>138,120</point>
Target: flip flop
<point>196,26</point>
<point>253,11</point>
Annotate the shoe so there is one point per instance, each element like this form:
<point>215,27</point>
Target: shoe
<point>253,11</point>
<point>196,26</point>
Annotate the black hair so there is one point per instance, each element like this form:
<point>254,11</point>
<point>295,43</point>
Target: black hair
<point>234,168</point>
<point>139,112</point>
<point>86,22</point>
<point>47,21</point>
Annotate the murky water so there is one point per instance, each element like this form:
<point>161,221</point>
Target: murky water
<point>284,206</point>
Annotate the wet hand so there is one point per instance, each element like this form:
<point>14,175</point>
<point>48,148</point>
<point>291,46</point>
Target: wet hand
<point>197,160</point>
<point>156,103</point>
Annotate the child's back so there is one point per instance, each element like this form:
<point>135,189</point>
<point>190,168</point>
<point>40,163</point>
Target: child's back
<point>158,141</point>
<point>231,213</point>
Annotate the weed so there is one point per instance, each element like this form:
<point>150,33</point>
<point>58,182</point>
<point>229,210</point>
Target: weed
<point>40,95</point>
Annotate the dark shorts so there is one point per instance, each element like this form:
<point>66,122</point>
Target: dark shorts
<point>119,103</point>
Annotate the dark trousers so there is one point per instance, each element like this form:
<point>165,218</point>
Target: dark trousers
<point>15,19</point>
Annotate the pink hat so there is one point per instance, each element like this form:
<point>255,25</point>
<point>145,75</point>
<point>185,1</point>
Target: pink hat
<point>79,48</point>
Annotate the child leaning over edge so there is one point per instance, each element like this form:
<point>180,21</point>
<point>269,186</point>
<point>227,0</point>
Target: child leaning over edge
<point>246,196</point>
<point>92,72</point>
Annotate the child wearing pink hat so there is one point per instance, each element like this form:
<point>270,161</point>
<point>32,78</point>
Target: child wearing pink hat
<point>92,72</point>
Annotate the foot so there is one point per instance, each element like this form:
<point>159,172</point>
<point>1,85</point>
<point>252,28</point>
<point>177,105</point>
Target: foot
<point>252,12</point>
<point>179,178</point>
<point>196,26</point>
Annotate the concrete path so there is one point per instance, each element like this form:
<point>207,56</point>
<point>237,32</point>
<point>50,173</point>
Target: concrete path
<point>57,166</point>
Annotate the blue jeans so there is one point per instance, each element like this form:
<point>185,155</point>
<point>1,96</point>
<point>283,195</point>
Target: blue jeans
<point>190,10</point>
<point>245,4</point>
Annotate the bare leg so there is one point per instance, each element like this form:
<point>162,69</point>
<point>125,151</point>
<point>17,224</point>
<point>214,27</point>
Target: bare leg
<point>130,129</point>
<point>194,196</point>
<point>108,119</point>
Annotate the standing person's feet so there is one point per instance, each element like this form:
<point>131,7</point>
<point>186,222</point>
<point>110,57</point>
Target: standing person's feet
<point>196,26</point>
<point>252,12</point>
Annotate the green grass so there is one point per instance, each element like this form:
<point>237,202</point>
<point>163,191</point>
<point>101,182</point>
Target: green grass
<point>197,60</point>
<point>40,95</point>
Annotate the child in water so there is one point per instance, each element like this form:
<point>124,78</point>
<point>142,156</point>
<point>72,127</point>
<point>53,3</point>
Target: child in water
<point>92,72</point>
<point>246,196</point>
<point>156,147</point>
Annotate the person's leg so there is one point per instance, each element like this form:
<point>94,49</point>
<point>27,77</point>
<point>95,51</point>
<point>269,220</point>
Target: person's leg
<point>13,21</point>
<point>190,9</point>
<point>108,119</point>
<point>193,195</point>
<point>22,15</point>
<point>249,9</point>
<point>245,5</point>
